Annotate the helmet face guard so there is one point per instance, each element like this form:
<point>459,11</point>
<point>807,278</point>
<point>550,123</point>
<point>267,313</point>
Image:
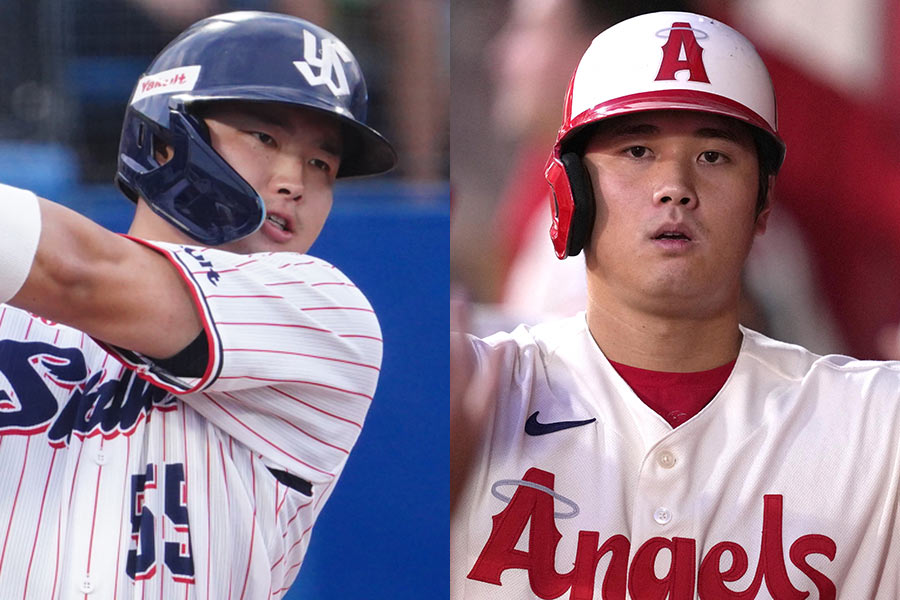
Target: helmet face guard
<point>236,57</point>
<point>197,191</point>
<point>657,61</point>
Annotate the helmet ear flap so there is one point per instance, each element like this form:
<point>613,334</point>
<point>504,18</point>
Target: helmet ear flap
<point>583,199</point>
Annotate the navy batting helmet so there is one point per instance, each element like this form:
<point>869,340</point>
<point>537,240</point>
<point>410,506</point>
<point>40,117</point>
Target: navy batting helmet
<point>245,56</point>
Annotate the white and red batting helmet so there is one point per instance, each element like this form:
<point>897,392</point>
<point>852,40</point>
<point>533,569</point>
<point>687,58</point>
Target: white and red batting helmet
<point>657,61</point>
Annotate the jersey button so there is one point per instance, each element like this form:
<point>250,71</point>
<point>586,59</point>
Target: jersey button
<point>662,515</point>
<point>100,458</point>
<point>87,586</point>
<point>666,459</point>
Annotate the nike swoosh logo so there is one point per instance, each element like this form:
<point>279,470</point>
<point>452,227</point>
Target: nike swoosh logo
<point>533,427</point>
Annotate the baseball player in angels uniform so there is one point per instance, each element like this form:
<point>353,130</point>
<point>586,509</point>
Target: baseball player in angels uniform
<point>177,404</point>
<point>651,447</point>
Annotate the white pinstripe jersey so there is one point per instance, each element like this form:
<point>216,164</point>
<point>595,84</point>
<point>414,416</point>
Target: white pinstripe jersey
<point>785,486</point>
<point>120,487</point>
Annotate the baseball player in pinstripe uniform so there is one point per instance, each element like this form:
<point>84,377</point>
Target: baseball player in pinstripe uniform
<point>177,404</point>
<point>651,447</point>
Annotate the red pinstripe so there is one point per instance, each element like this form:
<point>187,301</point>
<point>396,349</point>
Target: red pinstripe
<point>94,516</point>
<point>244,425</point>
<point>284,283</point>
<point>187,487</point>
<point>75,473</point>
<point>58,545</point>
<point>300,264</point>
<point>314,407</point>
<point>39,521</point>
<point>296,514</point>
<point>277,562</point>
<point>344,283</point>
<point>300,539</point>
<point>227,500</point>
<point>15,502</point>
<point>288,325</point>
<point>208,512</point>
<point>162,528</point>
<point>287,529</point>
<point>322,495</point>
<point>301,381</point>
<point>244,264</point>
<point>205,271</point>
<point>365,337</point>
<point>340,360</point>
<point>125,487</point>
<point>369,310</point>
<point>308,434</point>
<point>279,505</point>
<point>298,563</point>
<point>252,529</point>
<point>229,296</point>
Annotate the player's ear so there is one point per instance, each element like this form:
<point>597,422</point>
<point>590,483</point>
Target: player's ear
<point>762,219</point>
<point>162,151</point>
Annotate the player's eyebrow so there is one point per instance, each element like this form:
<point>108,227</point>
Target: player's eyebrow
<point>630,129</point>
<point>717,133</point>
<point>642,129</point>
<point>330,144</point>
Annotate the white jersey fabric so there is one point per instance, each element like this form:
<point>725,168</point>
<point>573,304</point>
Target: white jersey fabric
<point>784,486</point>
<point>124,483</point>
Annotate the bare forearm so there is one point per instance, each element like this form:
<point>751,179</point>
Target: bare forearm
<point>106,285</point>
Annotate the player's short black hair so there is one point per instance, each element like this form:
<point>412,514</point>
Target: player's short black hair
<point>767,154</point>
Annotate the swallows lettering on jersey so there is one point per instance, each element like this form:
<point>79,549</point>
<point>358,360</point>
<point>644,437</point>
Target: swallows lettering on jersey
<point>688,574</point>
<point>211,274</point>
<point>35,372</point>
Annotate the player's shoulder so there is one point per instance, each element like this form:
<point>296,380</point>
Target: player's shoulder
<point>541,351</point>
<point>542,339</point>
<point>201,257</point>
<point>795,362</point>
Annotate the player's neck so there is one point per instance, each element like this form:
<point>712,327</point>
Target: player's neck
<point>661,342</point>
<point>150,226</point>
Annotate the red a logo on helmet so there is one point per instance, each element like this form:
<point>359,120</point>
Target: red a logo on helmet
<point>681,37</point>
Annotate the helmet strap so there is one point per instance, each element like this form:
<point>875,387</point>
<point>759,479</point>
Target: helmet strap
<point>583,200</point>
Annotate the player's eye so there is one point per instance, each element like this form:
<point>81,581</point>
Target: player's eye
<point>264,138</point>
<point>637,151</point>
<point>320,164</point>
<point>712,157</point>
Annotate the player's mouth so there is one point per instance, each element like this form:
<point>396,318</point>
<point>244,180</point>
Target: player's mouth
<point>673,236</point>
<point>278,227</point>
<point>279,222</point>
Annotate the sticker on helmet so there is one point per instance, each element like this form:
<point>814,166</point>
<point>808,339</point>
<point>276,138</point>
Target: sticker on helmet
<point>328,60</point>
<point>180,79</point>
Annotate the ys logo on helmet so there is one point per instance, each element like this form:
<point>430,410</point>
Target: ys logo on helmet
<point>330,62</point>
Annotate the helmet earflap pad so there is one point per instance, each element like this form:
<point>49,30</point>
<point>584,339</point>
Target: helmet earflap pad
<point>584,209</point>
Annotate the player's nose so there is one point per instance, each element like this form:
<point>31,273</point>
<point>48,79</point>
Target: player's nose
<point>287,178</point>
<point>674,184</point>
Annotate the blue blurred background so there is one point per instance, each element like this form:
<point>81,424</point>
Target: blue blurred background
<point>69,68</point>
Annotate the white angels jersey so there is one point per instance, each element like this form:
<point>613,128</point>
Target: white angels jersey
<point>785,486</point>
<point>130,482</point>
